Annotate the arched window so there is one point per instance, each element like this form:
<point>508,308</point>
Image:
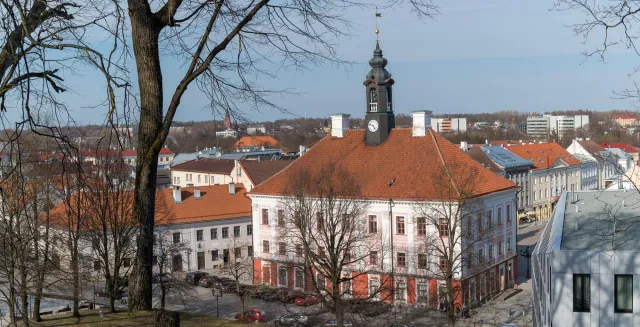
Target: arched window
<point>373,100</point>
<point>389,99</point>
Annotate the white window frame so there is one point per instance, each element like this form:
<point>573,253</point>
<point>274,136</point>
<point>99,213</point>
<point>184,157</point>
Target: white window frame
<point>295,278</point>
<point>286,275</point>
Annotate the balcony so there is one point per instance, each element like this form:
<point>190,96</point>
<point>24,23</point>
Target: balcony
<point>373,107</point>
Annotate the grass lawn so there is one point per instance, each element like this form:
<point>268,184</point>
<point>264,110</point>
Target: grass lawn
<point>123,319</point>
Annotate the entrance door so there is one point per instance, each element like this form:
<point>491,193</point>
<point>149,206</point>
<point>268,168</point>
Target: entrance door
<point>200,260</point>
<point>177,263</point>
<point>225,256</point>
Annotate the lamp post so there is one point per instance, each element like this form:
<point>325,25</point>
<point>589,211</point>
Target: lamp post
<point>217,292</point>
<point>527,254</point>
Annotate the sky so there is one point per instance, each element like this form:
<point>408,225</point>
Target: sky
<point>475,56</point>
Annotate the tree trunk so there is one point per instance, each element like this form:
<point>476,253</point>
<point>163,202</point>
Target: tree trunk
<point>24,298</point>
<point>12,302</point>
<point>37,298</point>
<point>75,270</point>
<point>337,307</point>
<point>144,34</point>
<point>163,297</point>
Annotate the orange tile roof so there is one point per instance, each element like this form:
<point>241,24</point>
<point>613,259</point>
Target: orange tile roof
<point>215,203</point>
<point>543,155</point>
<point>411,161</point>
<point>264,140</point>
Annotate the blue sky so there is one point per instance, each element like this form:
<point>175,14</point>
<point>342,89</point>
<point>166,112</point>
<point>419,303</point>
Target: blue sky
<point>476,56</point>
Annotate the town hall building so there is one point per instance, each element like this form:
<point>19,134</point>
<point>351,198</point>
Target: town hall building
<point>396,171</point>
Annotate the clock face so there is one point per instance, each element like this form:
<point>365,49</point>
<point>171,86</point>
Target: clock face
<point>373,125</point>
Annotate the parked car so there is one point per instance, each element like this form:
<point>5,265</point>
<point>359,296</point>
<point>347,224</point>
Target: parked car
<point>306,300</point>
<point>334,323</point>
<point>288,296</point>
<point>194,277</point>
<point>228,285</point>
<point>260,291</point>
<point>270,295</point>
<point>209,281</point>
<point>295,320</point>
<point>103,292</point>
<point>254,315</point>
<point>157,278</point>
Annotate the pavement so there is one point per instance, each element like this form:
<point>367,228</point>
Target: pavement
<point>516,309</point>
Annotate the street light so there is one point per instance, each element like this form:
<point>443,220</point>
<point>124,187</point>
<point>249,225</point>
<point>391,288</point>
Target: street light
<point>217,292</point>
<point>527,255</point>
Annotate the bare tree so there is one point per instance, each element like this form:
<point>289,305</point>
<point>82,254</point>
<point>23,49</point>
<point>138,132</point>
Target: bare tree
<point>322,228</point>
<point>239,268</point>
<point>108,227</point>
<point>451,231</point>
<point>226,43</point>
<point>614,26</point>
<point>169,263</point>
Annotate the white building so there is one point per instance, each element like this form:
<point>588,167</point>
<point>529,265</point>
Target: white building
<point>607,161</point>
<point>211,224</point>
<point>448,125</point>
<point>589,176</point>
<point>227,133</point>
<point>413,185</point>
<point>538,126</point>
<point>554,171</point>
<point>254,129</point>
<point>203,172</point>
<point>583,274</point>
<point>625,160</point>
<point>541,126</point>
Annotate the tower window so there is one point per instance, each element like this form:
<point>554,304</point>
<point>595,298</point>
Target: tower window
<point>373,100</point>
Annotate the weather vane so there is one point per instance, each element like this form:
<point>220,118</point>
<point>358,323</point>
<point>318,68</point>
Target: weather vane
<point>377,30</point>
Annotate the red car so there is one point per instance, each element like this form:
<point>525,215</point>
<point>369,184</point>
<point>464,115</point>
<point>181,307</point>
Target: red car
<point>254,315</point>
<point>306,300</point>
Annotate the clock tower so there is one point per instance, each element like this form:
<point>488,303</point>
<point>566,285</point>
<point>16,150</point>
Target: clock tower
<point>379,118</point>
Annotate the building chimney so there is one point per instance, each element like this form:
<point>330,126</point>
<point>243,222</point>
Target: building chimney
<point>339,124</point>
<point>303,149</point>
<point>196,193</point>
<point>463,145</point>
<point>177,194</point>
<point>421,122</point>
<point>486,142</point>
<point>232,188</point>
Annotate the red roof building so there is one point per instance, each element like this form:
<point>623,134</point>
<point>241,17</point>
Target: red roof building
<point>212,224</point>
<point>257,142</point>
<point>393,172</point>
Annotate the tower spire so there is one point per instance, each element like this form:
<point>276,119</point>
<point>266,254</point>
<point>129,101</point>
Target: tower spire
<point>377,30</point>
<point>378,84</point>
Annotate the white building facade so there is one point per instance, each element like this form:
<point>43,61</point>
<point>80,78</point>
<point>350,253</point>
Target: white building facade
<point>413,282</point>
<point>582,277</point>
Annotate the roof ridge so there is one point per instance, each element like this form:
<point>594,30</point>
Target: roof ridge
<point>444,163</point>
